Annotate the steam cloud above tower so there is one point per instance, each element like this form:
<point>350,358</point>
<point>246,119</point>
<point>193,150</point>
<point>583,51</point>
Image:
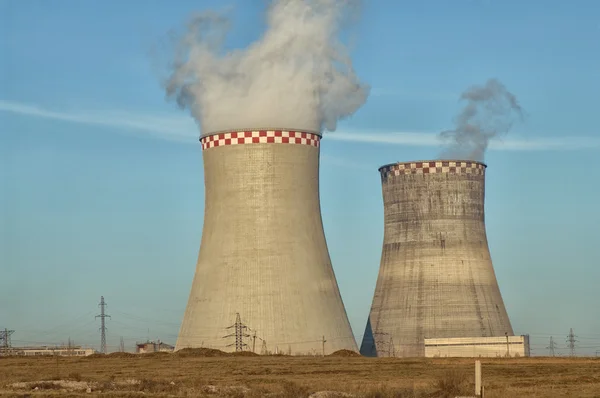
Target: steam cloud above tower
<point>297,75</point>
<point>490,110</point>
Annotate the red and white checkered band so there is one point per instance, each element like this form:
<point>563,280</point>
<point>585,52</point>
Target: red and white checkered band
<point>260,137</point>
<point>436,167</point>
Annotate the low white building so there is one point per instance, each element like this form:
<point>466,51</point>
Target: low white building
<point>506,346</point>
<point>64,351</point>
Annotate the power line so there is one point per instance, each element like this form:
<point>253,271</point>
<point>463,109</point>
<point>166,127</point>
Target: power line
<point>571,341</point>
<point>263,350</point>
<point>5,339</point>
<point>102,317</point>
<point>239,333</point>
<point>255,336</point>
<point>145,319</point>
<point>551,346</point>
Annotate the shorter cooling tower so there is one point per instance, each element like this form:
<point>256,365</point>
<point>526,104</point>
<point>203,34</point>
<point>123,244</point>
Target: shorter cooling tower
<point>436,278</point>
<point>264,280</point>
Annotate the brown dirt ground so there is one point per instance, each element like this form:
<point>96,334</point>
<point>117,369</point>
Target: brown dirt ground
<point>285,376</point>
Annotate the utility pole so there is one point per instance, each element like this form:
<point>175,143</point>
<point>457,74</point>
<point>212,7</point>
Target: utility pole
<point>239,333</point>
<point>102,317</point>
<point>263,350</point>
<point>254,341</point>
<point>323,341</point>
<point>551,346</point>
<point>507,345</point>
<point>571,340</point>
<point>122,345</point>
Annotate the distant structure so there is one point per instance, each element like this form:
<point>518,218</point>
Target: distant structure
<point>5,339</point>
<point>551,347</point>
<point>475,347</point>
<point>102,317</point>
<point>70,349</point>
<point>63,351</point>
<point>263,253</point>
<point>436,278</point>
<point>239,333</point>
<point>153,346</point>
<point>571,342</point>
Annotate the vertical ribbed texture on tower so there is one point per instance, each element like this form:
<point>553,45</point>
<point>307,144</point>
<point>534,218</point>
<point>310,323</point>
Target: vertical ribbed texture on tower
<point>436,277</point>
<point>263,252</point>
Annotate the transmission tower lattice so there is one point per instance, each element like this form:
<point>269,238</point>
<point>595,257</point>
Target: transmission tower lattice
<point>571,341</point>
<point>102,317</point>
<point>239,333</point>
<point>5,338</point>
<point>551,346</point>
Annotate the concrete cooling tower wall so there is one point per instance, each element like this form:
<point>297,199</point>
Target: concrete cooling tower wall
<point>263,253</point>
<point>436,278</point>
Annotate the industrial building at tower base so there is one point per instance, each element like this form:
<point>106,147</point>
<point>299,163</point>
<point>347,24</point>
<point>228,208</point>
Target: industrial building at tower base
<point>491,347</point>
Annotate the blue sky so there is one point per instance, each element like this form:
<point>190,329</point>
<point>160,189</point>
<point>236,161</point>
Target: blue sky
<point>101,181</point>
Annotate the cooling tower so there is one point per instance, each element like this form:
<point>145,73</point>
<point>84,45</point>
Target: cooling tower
<point>263,254</point>
<point>436,278</point>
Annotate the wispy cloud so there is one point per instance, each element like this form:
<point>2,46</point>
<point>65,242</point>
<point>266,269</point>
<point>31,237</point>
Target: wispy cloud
<point>182,128</point>
<point>176,128</point>
<point>427,139</point>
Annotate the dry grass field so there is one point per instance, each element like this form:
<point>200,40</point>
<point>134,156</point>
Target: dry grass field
<point>196,375</point>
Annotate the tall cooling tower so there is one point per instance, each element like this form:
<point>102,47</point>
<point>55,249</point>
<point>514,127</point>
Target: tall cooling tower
<point>436,278</point>
<point>263,253</point>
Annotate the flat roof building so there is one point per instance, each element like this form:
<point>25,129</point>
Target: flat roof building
<point>473,347</point>
<point>153,346</point>
<point>65,351</point>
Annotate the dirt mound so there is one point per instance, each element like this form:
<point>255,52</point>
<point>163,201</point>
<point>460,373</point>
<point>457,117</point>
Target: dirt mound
<point>344,353</point>
<point>157,354</point>
<point>201,352</point>
<point>121,355</point>
<point>209,352</point>
<point>96,355</point>
<point>244,354</point>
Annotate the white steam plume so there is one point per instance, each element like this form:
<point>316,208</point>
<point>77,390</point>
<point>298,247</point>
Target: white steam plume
<point>489,111</point>
<point>298,75</point>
